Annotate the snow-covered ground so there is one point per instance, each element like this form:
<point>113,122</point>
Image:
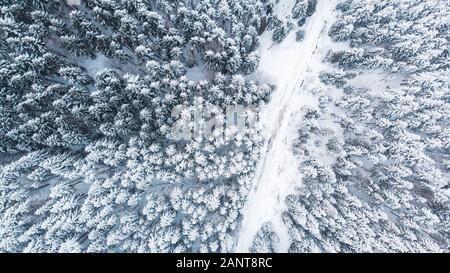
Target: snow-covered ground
<point>92,66</point>
<point>289,65</point>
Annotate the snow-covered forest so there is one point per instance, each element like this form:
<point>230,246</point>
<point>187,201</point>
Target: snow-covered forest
<point>374,148</point>
<point>225,126</point>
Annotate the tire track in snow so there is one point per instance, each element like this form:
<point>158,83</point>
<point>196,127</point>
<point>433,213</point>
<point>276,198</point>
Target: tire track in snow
<point>276,175</point>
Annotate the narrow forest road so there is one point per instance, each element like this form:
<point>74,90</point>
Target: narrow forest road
<point>287,65</point>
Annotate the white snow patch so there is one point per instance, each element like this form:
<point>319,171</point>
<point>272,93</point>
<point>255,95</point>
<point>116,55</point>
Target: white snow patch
<point>199,73</point>
<point>93,65</point>
<point>377,81</point>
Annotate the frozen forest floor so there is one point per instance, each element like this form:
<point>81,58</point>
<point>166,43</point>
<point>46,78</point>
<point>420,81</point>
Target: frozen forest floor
<point>292,66</point>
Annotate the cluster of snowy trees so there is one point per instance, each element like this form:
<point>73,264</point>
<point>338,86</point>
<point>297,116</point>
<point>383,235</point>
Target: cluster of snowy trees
<point>265,241</point>
<point>301,11</point>
<point>88,160</point>
<point>375,159</point>
<point>281,27</point>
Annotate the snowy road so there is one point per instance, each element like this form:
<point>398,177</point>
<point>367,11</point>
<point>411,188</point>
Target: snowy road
<point>286,64</point>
